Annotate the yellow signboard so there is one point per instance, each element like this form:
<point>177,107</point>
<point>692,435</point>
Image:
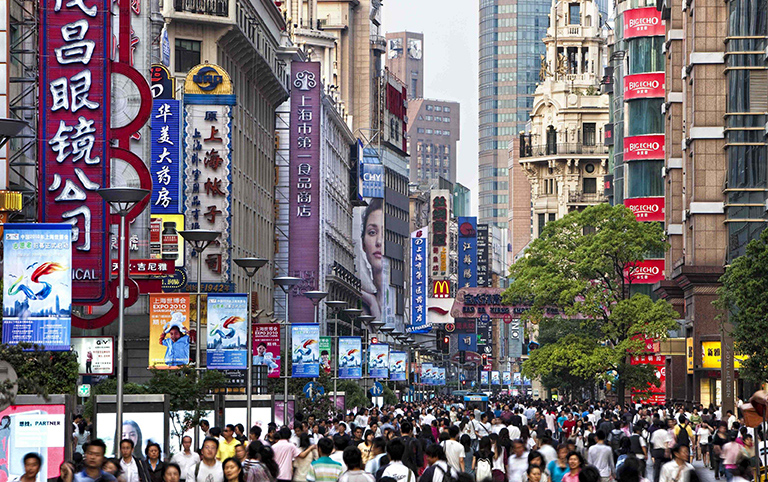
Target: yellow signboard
<point>711,355</point>
<point>209,79</point>
<point>689,354</point>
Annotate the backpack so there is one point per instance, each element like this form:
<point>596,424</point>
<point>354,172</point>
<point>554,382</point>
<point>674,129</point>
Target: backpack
<point>483,470</point>
<point>682,436</point>
<point>449,475</point>
<point>615,441</point>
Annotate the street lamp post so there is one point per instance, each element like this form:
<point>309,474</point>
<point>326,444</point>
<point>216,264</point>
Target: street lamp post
<point>251,266</point>
<point>286,283</point>
<point>121,200</point>
<point>335,306</point>
<point>199,239</point>
<point>316,297</point>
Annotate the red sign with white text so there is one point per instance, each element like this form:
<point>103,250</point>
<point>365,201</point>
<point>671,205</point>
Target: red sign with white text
<point>643,22</point>
<point>641,148</point>
<point>654,394</point>
<point>640,86</point>
<point>147,267</point>
<point>646,208</point>
<point>73,135</point>
<point>645,272</point>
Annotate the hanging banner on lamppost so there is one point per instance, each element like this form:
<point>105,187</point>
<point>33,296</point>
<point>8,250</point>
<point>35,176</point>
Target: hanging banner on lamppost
<point>168,330</point>
<point>266,347</point>
<point>495,377</point>
<point>440,377</point>
<point>378,360</point>
<point>506,378</point>
<point>326,354</point>
<point>427,374</point>
<point>305,350</point>
<point>37,279</point>
<point>398,360</point>
<point>227,331</point>
<point>484,377</point>
<point>350,357</point>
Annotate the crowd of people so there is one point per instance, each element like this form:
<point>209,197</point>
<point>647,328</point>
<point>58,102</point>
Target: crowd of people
<point>511,440</point>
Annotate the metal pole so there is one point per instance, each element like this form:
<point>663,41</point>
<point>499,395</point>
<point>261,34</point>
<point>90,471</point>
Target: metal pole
<point>199,334</point>
<point>287,350</point>
<point>335,358</point>
<point>120,337</point>
<point>249,356</point>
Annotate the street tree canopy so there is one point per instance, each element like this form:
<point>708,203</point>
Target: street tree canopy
<point>743,297</point>
<point>584,265</point>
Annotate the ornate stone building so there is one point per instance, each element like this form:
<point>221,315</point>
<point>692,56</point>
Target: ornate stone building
<point>562,151</point>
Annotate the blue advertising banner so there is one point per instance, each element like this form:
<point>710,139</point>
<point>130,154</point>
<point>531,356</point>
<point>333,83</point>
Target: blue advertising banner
<point>378,360</point>
<point>467,342</point>
<point>166,157</point>
<point>484,377</point>
<point>427,374</point>
<point>371,173</point>
<point>350,357</point>
<point>440,378</point>
<point>305,343</point>
<point>467,251</point>
<point>398,361</point>
<point>506,378</point>
<point>517,379</point>
<point>495,378</point>
<point>227,331</point>
<point>37,278</point>
<point>419,262</point>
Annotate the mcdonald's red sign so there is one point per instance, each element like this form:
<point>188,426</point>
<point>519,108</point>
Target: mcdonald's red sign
<point>441,289</point>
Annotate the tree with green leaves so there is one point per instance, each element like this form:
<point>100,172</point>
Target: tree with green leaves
<point>743,297</point>
<point>584,265</point>
<point>40,372</point>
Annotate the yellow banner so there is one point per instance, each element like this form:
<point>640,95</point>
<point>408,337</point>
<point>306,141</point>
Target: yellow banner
<point>711,355</point>
<point>689,354</point>
<point>168,330</point>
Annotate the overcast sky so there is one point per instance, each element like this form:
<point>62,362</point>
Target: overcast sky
<point>450,64</point>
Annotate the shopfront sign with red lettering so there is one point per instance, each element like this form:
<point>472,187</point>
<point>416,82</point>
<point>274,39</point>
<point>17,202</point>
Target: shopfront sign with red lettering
<point>641,148</point>
<point>642,86</point>
<point>643,22</point>
<point>646,208</point>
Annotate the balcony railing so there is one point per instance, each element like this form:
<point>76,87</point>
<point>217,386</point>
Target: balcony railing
<point>219,8</point>
<point>586,198</point>
<point>527,150</point>
<point>379,42</point>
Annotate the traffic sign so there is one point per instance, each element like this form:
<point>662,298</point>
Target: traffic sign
<point>374,340</point>
<point>377,390</point>
<point>84,390</point>
<point>312,390</point>
<point>507,318</point>
<point>450,327</point>
<point>485,318</point>
<point>409,391</point>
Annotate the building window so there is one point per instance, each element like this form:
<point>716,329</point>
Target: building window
<point>590,185</point>
<point>429,117</point>
<point>573,14</point>
<point>414,87</point>
<point>438,108</point>
<point>644,179</point>
<point>429,107</point>
<point>447,110</point>
<point>589,134</point>
<point>542,222</point>
<point>187,54</point>
<point>420,130</point>
<point>645,117</point>
<point>446,119</point>
<point>551,140</point>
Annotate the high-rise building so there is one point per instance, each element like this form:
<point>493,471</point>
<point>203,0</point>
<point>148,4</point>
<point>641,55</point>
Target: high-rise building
<point>563,154</point>
<point>433,132</point>
<point>405,59</point>
<point>715,177</point>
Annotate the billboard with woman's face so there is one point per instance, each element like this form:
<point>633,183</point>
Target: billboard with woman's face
<point>368,233</point>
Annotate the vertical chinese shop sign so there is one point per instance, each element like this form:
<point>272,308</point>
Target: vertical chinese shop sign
<point>304,201</point>
<point>208,102</point>
<point>75,79</point>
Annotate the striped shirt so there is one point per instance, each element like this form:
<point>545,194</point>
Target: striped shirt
<point>324,469</point>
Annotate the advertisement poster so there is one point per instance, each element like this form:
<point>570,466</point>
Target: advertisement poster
<point>227,331</point>
<point>351,357</point>
<point>427,374</point>
<point>141,427</point>
<point>37,283</point>
<point>326,355</point>
<point>305,349</point>
<point>42,429</point>
<point>266,347</point>
<point>168,330</point>
<point>378,362</point>
<point>368,236</point>
<point>467,252</point>
<point>440,379</point>
<point>506,378</point>
<point>95,354</point>
<point>484,377</point>
<point>517,379</point>
<point>495,378</point>
<point>419,279</point>
<point>398,361</point>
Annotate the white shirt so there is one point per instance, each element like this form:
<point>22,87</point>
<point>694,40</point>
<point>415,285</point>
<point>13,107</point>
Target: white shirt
<point>428,419</point>
<point>454,452</point>
<point>660,439</point>
<point>130,470</point>
<point>206,473</point>
<point>481,429</point>
<point>399,472</point>
<point>671,472</point>
<point>516,467</point>
<point>185,460</point>
<point>514,432</point>
<point>704,434</point>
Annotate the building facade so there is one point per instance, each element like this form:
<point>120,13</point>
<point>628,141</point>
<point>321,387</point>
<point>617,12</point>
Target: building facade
<point>405,59</point>
<point>563,154</point>
<point>433,132</point>
<point>715,175</point>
